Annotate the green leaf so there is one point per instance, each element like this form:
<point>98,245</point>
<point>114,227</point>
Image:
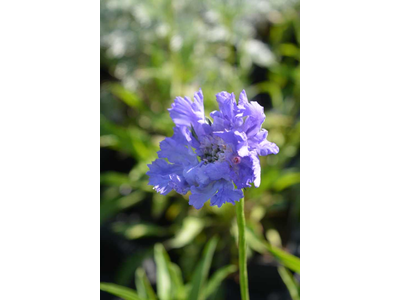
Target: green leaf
<point>190,229</point>
<point>130,140</point>
<point>121,140</point>
<point>262,246</point>
<point>291,283</point>
<point>194,132</point>
<point>114,178</point>
<point>119,291</point>
<point>217,278</point>
<point>129,97</point>
<point>286,180</point>
<point>200,275</point>
<point>178,288</point>
<point>159,204</point>
<point>143,285</point>
<point>131,199</point>
<point>129,266</point>
<point>140,230</point>
<point>288,260</point>
<point>112,207</point>
<point>290,50</point>
<point>164,285</point>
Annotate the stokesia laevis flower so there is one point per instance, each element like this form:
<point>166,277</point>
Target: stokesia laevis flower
<point>210,158</point>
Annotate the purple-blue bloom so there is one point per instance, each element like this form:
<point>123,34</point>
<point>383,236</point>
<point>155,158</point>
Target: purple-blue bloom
<point>210,158</point>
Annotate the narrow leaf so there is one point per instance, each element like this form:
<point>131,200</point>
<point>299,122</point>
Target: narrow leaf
<point>129,266</point>
<point>288,260</point>
<point>190,229</point>
<point>163,277</point>
<point>136,231</point>
<point>127,96</point>
<point>143,285</point>
<point>262,246</point>
<point>194,134</point>
<point>286,181</point>
<point>217,278</point>
<point>114,178</point>
<point>291,283</point>
<point>119,291</point>
<point>178,288</point>
<point>202,269</point>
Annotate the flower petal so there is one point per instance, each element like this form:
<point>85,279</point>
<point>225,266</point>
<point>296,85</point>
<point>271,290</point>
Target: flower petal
<point>195,175</point>
<point>179,184</point>
<point>226,193</point>
<point>217,170</point>
<point>254,113</point>
<point>200,195</point>
<point>229,110</point>
<point>160,175</point>
<point>260,143</point>
<point>184,112</point>
<point>248,170</point>
<point>267,147</point>
<point>177,152</point>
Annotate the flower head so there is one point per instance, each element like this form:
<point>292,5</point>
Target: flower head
<point>211,158</point>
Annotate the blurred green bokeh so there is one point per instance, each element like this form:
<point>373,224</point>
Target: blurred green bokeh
<point>153,51</point>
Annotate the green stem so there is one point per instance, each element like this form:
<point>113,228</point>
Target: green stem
<point>244,287</point>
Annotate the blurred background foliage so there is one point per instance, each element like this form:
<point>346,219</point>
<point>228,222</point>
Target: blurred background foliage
<point>151,52</point>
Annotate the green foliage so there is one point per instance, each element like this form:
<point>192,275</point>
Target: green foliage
<point>128,267</point>
<point>217,278</point>
<point>143,285</point>
<point>151,52</point>
<point>201,272</point>
<point>290,282</point>
<point>169,279</point>
<point>179,289</point>
<point>191,227</point>
<point>164,282</point>
<point>258,244</point>
<point>119,291</point>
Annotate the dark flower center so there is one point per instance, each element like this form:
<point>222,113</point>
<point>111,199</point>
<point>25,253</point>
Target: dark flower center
<point>213,149</point>
<point>212,153</point>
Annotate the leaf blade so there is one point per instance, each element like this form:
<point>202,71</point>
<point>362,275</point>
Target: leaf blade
<point>217,278</point>
<point>178,287</point>
<point>202,269</point>
<point>191,227</point>
<point>164,284</point>
<point>260,245</point>
<point>119,291</point>
<point>143,285</point>
<point>290,282</point>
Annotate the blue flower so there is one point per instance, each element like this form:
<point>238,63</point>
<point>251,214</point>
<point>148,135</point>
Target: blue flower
<point>211,158</point>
